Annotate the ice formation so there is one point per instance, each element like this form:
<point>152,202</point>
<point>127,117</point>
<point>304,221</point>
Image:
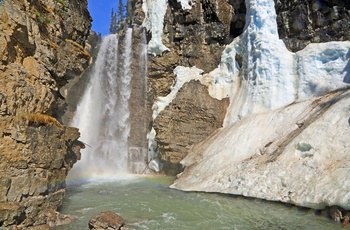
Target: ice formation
<point>154,18</point>
<point>185,4</point>
<point>278,141</point>
<point>322,68</point>
<point>297,154</point>
<point>273,77</point>
<point>153,153</point>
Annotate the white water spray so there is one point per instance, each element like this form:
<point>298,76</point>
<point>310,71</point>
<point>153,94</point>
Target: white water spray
<point>103,113</point>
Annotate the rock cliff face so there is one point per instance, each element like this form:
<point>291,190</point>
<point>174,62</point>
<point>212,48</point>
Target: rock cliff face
<point>196,33</point>
<point>194,36</point>
<point>41,48</point>
<point>192,115</point>
<point>304,22</point>
<point>278,97</point>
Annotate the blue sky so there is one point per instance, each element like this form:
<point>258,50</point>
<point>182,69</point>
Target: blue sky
<point>100,11</point>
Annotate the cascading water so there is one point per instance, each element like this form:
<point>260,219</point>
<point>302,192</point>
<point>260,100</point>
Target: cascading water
<point>102,116</point>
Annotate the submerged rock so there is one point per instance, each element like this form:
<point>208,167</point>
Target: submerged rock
<point>106,220</point>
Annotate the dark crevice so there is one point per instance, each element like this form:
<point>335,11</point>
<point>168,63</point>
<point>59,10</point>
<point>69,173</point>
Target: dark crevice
<point>209,12</point>
<point>21,218</point>
<point>238,19</point>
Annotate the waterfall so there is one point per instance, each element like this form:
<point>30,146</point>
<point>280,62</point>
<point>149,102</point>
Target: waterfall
<point>102,115</point>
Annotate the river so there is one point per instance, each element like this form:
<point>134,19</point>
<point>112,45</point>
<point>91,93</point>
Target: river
<point>147,202</point>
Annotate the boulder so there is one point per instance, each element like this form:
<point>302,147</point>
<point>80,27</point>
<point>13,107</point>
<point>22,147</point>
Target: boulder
<point>106,220</point>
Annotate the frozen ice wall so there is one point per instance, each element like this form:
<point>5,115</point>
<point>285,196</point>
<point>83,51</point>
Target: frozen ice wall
<point>271,76</point>
<point>154,18</point>
<point>279,142</point>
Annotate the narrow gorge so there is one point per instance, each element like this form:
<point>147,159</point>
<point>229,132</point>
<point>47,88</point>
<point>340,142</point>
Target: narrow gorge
<point>246,98</point>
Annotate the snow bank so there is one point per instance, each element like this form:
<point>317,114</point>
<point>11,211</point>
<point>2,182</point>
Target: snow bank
<point>279,141</point>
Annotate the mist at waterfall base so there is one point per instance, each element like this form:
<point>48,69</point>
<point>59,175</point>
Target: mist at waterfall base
<point>102,115</point>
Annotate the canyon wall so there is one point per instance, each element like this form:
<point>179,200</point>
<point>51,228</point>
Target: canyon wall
<point>41,49</point>
<point>274,82</point>
<point>195,34</point>
<point>194,37</point>
<point>303,22</point>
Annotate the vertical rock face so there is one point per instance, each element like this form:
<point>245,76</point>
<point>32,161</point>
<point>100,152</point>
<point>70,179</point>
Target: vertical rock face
<point>192,115</point>
<point>41,48</point>
<point>283,134</point>
<point>312,21</point>
<point>140,114</point>
<point>195,36</point>
<point>194,33</point>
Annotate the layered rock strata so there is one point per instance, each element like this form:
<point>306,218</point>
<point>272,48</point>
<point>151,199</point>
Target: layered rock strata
<point>192,115</point>
<point>41,48</point>
<point>193,36</point>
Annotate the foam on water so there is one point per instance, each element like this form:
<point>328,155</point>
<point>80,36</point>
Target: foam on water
<point>148,203</point>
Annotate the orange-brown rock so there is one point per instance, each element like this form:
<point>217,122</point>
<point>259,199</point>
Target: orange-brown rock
<point>189,118</point>
<point>41,48</point>
<point>106,220</point>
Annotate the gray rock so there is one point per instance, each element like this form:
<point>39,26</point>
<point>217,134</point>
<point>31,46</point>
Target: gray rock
<point>303,22</point>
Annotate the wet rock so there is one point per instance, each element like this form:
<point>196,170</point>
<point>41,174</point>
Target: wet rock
<point>337,214</point>
<point>106,220</point>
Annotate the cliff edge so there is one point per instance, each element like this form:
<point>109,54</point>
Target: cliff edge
<point>41,48</point>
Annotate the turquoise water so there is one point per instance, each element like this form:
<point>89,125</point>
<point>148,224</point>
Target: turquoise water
<point>148,203</point>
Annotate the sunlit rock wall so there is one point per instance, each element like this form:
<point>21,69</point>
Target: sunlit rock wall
<point>41,48</point>
<point>180,33</point>
<point>193,33</point>
<point>284,136</point>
